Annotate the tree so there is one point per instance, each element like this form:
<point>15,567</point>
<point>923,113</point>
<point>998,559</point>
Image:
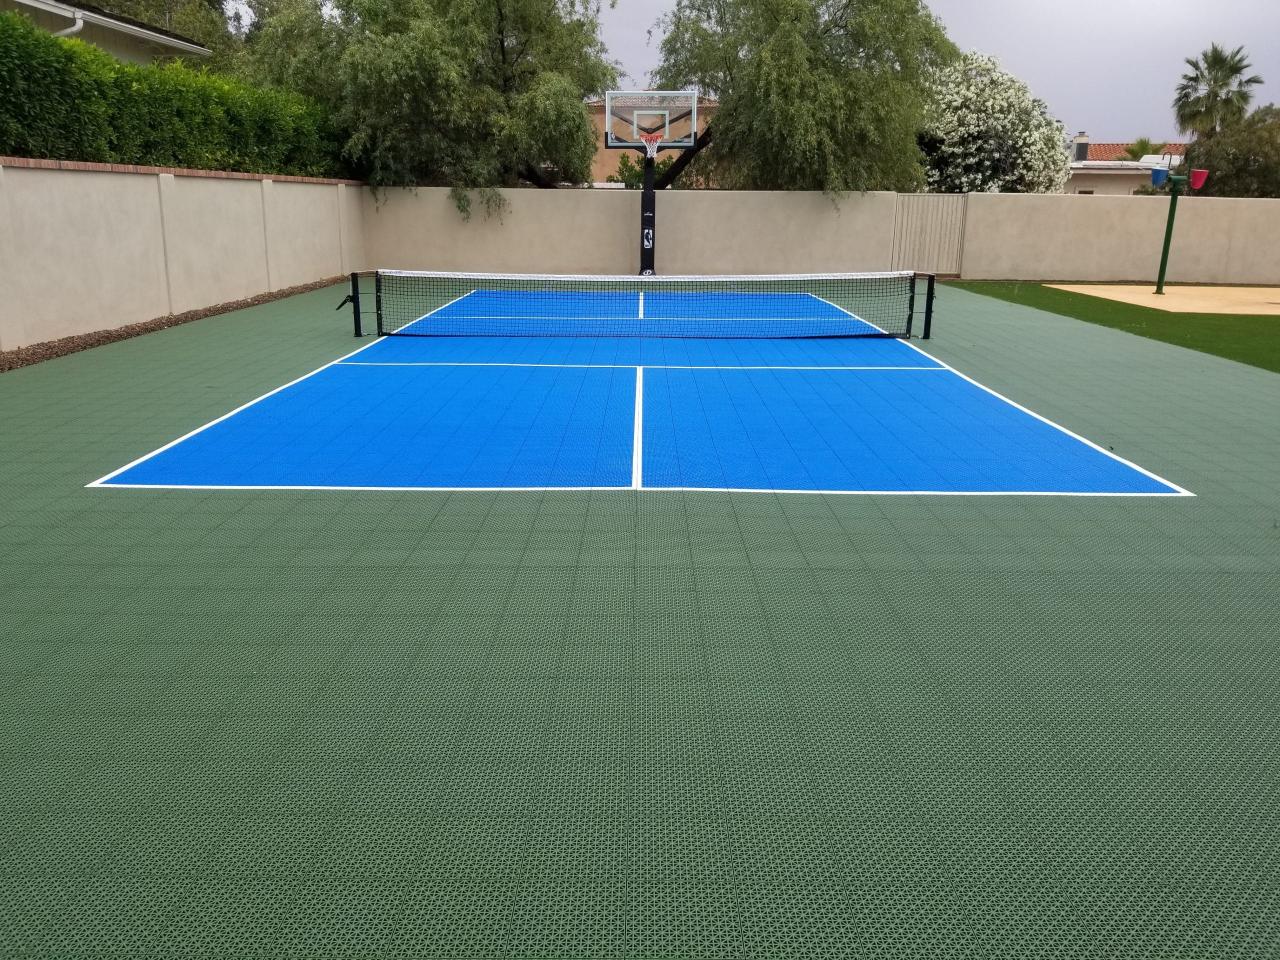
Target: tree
<point>813,94</point>
<point>201,20</point>
<point>1215,92</point>
<point>1142,147</point>
<point>1243,160</point>
<point>460,93</point>
<point>985,132</point>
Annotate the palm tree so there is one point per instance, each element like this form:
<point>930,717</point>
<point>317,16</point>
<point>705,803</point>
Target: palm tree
<point>1142,147</point>
<point>1215,93</point>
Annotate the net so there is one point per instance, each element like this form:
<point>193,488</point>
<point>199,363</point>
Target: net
<point>413,303</point>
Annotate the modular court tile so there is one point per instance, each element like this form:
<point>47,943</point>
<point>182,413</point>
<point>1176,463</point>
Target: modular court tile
<point>620,724</point>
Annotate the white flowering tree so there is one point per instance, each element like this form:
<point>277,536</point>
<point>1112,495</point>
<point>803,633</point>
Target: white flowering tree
<point>985,133</point>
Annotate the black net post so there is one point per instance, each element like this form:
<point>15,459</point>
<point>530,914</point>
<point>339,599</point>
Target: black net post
<point>377,302</point>
<point>928,307</point>
<point>355,305</point>
<point>648,218</point>
<point>911,305</point>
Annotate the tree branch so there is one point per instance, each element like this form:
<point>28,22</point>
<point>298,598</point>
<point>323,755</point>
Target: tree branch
<point>682,161</point>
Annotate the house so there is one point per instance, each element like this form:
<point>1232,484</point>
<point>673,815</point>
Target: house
<point>123,37</point>
<point>605,163</point>
<point>1105,168</point>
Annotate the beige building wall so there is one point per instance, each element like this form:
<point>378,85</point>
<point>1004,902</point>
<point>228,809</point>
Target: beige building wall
<point>1121,184</point>
<point>1058,237</point>
<point>129,47</point>
<point>85,249</point>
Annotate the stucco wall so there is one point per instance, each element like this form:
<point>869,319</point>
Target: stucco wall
<point>80,253</point>
<point>597,231</point>
<point>86,249</point>
<point>1019,237</point>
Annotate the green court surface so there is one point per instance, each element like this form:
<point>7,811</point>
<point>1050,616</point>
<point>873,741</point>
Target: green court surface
<point>621,724</point>
<point>1249,339</point>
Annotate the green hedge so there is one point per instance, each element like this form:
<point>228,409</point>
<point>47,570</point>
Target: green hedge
<point>66,100</point>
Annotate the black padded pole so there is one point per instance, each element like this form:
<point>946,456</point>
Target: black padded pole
<point>648,220</point>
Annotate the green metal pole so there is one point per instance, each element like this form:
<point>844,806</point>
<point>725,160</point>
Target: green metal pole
<point>1168,231</point>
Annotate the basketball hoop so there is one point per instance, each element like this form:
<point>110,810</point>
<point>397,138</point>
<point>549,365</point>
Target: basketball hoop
<point>651,141</point>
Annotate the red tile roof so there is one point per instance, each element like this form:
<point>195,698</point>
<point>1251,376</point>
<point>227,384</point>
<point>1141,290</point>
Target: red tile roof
<point>1115,151</point>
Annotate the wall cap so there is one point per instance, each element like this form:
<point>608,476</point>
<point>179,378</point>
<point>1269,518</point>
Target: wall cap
<point>84,166</point>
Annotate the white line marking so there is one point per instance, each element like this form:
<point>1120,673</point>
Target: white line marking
<point>637,434</point>
<point>186,436</point>
<point>226,416</point>
<point>429,313</point>
<point>601,366</point>
<point>641,305</point>
<point>836,493</point>
<point>1175,491</point>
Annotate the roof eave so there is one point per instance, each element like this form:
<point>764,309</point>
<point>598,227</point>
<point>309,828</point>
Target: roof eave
<point>110,23</point>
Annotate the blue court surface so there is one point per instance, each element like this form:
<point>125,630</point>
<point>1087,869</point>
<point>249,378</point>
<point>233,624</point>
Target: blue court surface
<point>814,414</point>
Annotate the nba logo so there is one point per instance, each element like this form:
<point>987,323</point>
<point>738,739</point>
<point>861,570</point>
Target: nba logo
<point>648,238</point>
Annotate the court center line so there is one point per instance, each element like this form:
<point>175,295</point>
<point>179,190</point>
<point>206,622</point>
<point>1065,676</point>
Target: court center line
<point>641,316</point>
<point>637,434</point>
<point>605,366</point>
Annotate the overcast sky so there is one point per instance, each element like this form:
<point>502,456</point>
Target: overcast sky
<point>1108,67</point>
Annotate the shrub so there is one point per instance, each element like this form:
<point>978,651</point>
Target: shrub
<point>67,100</point>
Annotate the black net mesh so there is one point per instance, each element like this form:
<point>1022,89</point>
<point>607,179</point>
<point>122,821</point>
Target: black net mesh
<point>826,305</point>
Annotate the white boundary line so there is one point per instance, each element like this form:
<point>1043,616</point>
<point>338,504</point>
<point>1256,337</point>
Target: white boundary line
<point>838,493</point>
<point>637,434</point>
<point>641,316</point>
<point>602,366</point>
<point>435,311</point>
<point>1175,491</point>
<point>103,481</point>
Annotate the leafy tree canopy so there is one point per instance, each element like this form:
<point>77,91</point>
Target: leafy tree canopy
<point>201,20</point>
<point>813,94</point>
<point>1243,160</point>
<point>985,132</point>
<point>1214,92</point>
<point>463,93</point>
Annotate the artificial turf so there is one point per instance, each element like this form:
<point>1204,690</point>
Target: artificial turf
<point>239,724</point>
<point>1247,339</point>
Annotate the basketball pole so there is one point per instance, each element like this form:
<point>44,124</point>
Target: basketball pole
<point>648,218</point>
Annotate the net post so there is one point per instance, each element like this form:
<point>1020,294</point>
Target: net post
<point>911,305</point>
<point>928,306</point>
<point>355,305</point>
<point>377,301</point>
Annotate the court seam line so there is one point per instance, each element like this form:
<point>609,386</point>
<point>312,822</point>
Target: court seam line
<point>637,434</point>
<point>602,366</point>
<point>1176,490</point>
